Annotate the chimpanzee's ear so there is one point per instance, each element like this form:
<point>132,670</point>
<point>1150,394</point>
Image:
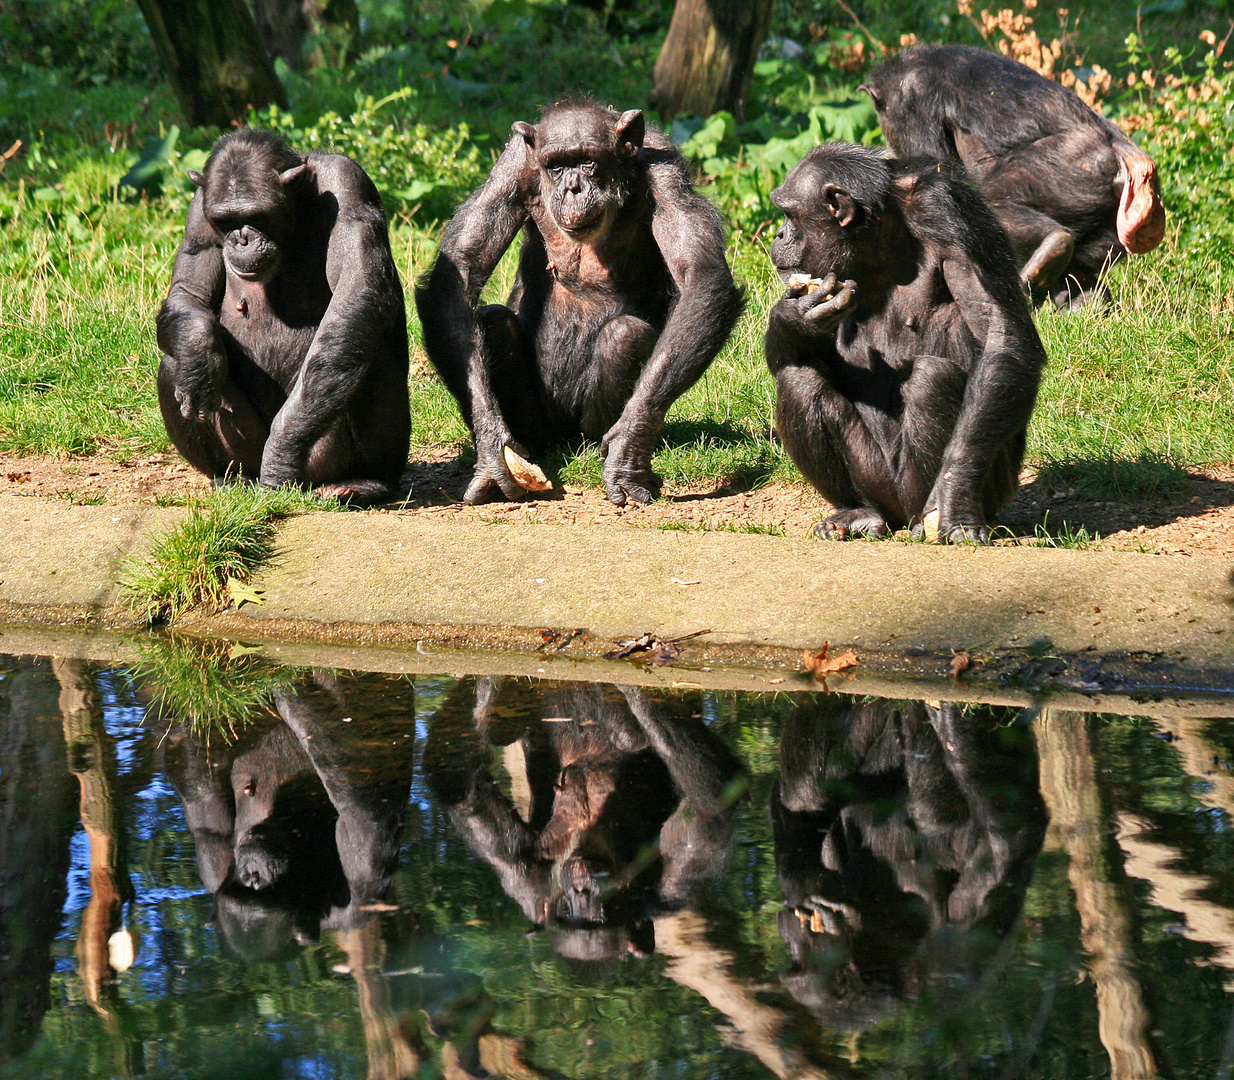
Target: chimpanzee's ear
<point>289,176</point>
<point>521,127</point>
<point>840,204</point>
<point>875,96</point>
<point>197,178</point>
<point>630,130</point>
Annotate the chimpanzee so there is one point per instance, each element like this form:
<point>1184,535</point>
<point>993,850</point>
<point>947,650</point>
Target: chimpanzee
<point>905,356</point>
<point>905,838</point>
<point>622,299</point>
<point>296,826</point>
<point>621,804</point>
<point>1071,189</point>
<point>284,329</point>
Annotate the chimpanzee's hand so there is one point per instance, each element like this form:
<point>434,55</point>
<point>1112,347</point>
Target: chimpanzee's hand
<point>819,311</point>
<point>950,520</point>
<point>198,387</point>
<point>491,467</point>
<point>627,466</point>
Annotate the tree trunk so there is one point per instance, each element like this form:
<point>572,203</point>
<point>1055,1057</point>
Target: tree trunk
<point>216,63</point>
<point>283,25</point>
<point>708,56</point>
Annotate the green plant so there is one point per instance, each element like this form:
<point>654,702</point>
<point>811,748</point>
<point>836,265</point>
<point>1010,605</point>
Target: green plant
<point>224,538</point>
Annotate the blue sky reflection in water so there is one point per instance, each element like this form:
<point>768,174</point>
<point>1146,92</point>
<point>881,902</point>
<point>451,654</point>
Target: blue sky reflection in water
<point>376,876</point>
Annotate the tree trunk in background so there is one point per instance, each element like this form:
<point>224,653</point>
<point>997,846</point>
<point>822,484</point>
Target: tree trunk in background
<point>708,56</point>
<point>213,57</point>
<point>282,26</point>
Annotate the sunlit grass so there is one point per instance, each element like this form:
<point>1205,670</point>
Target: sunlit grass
<point>225,537</point>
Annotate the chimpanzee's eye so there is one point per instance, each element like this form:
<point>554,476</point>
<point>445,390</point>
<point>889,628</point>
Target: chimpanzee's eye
<point>588,167</point>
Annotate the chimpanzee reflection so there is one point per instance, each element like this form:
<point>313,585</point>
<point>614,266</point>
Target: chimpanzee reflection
<point>621,803</point>
<point>905,836</point>
<point>297,826</point>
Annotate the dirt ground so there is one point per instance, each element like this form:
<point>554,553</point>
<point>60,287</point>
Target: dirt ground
<point>1198,521</point>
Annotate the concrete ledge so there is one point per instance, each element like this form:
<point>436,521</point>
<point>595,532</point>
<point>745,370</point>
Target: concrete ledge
<point>390,580</point>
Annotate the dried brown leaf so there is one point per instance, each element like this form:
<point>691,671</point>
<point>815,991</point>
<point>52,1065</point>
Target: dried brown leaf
<point>818,665</point>
<point>528,475</point>
<point>960,663</point>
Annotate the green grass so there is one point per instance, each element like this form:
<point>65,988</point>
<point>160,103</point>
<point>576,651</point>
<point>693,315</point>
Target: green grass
<point>224,538</point>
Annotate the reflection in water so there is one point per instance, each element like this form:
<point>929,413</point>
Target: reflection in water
<point>296,832</point>
<point>37,800</point>
<point>621,803</point>
<point>905,835</point>
<point>792,885</point>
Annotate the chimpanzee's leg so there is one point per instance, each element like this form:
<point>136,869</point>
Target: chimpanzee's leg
<point>1043,246</point>
<point>225,443</point>
<point>1084,282</point>
<point>826,436</point>
<point>621,349</point>
<point>360,458</point>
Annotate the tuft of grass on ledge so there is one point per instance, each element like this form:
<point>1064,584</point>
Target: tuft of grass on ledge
<point>226,536</point>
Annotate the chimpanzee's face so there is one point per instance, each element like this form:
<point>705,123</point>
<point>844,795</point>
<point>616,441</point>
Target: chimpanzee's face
<point>252,211</point>
<point>796,247</point>
<point>813,239</point>
<point>582,171</point>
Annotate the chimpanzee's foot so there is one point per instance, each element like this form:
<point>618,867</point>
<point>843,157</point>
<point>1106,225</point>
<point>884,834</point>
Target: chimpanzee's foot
<point>847,524</point>
<point>357,492</point>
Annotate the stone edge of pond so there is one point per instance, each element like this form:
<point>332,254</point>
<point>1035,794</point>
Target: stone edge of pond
<point>1130,685</point>
<point>1084,624</point>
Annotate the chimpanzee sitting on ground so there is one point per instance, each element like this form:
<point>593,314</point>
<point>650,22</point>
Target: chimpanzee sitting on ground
<point>284,331</point>
<point>622,299</point>
<point>1072,190</point>
<point>905,839</point>
<point>905,356</point>
<point>622,803</point>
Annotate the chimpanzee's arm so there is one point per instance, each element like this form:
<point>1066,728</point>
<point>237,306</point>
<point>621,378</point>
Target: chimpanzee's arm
<point>188,327</point>
<point>455,765</point>
<point>695,839</point>
<point>474,242</point>
<point>690,235</point>
<point>366,302</point>
<point>998,400</point>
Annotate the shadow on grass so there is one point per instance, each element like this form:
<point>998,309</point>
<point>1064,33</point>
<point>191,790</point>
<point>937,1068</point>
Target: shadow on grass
<point>1073,502</point>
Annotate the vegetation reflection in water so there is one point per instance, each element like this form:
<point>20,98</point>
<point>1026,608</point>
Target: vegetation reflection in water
<point>369,876</point>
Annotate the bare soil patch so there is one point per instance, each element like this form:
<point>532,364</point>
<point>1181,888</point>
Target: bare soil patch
<point>1197,521</point>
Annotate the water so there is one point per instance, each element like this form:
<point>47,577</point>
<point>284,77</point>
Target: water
<point>213,868</point>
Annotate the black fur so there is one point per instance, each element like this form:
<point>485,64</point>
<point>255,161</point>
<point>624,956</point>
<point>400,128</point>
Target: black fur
<point>1051,168</point>
<point>905,839</point>
<point>284,331</point>
<point>629,803</point>
<point>623,296</point>
<point>905,383</point>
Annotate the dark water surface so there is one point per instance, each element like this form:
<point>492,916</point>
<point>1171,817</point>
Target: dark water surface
<point>312,875</point>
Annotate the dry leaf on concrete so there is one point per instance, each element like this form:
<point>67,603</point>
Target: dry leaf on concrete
<point>818,665</point>
<point>960,663</point>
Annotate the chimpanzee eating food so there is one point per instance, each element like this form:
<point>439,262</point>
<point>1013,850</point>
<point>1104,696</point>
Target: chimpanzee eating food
<point>1074,193</point>
<point>622,299</point>
<point>904,352</point>
<point>284,331</point>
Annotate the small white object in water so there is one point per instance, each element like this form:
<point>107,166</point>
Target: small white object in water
<point>121,950</point>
